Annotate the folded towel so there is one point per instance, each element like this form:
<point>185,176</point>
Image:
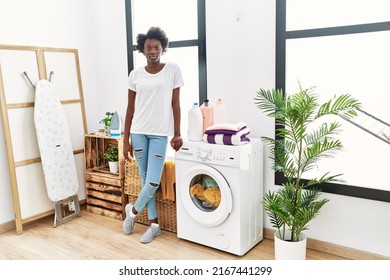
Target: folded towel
<point>168,178</point>
<point>228,127</point>
<point>224,131</point>
<point>239,138</point>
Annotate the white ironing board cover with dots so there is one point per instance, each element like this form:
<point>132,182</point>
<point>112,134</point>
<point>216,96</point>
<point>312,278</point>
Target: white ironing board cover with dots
<point>54,141</point>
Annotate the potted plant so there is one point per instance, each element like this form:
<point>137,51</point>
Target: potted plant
<point>106,121</point>
<point>301,140</point>
<point>111,155</point>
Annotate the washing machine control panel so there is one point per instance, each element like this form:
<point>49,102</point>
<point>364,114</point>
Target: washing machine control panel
<point>217,157</point>
<point>202,154</point>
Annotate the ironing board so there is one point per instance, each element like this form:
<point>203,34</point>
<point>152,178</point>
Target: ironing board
<point>56,151</point>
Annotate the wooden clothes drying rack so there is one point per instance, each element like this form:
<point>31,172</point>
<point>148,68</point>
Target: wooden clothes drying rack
<point>12,84</point>
<point>370,124</point>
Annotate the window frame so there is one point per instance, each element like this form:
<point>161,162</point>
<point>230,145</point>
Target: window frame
<point>200,43</point>
<point>282,35</point>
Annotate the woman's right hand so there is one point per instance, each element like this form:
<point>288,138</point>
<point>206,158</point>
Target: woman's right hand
<point>127,150</point>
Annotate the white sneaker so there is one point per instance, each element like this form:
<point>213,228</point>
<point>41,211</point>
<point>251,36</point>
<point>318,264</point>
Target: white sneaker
<point>128,223</point>
<point>150,234</point>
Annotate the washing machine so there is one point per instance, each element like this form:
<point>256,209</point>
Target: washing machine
<point>219,193</point>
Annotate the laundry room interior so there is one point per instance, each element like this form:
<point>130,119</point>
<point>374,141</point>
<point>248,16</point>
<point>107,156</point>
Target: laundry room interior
<point>212,189</point>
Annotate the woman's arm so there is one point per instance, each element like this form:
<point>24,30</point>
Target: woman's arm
<point>127,150</point>
<point>176,141</point>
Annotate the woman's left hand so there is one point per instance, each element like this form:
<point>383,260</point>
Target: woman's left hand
<point>176,143</point>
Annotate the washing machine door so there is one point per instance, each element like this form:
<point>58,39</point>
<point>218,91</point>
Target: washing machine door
<point>206,195</point>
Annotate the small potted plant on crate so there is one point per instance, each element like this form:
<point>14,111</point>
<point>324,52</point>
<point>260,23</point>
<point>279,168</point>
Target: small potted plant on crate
<point>106,121</point>
<point>300,142</point>
<point>111,155</point>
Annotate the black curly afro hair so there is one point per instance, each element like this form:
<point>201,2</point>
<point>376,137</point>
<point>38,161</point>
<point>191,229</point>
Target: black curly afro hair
<point>153,33</point>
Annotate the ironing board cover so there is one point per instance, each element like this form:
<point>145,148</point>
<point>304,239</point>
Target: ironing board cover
<point>54,143</point>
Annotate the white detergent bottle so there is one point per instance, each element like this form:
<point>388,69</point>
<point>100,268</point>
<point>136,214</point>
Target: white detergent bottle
<point>195,123</point>
<point>221,114</point>
<point>208,115</point>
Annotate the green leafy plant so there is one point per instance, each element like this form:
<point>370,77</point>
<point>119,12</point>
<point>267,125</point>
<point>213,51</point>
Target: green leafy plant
<point>300,142</point>
<point>106,120</point>
<point>111,154</point>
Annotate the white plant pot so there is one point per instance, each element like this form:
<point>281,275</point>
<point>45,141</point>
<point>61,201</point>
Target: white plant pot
<point>287,250</point>
<point>114,166</point>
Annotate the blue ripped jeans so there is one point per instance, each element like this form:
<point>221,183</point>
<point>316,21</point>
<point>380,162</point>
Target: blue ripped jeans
<point>149,152</point>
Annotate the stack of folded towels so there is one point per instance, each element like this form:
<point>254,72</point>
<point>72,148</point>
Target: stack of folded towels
<point>227,134</point>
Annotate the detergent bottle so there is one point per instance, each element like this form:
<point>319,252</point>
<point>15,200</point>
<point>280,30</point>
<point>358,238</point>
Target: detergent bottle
<point>220,112</point>
<point>207,114</point>
<point>195,123</point>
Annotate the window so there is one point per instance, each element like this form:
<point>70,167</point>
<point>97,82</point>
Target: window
<point>342,47</point>
<point>184,23</point>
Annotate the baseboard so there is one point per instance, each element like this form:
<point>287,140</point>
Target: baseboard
<point>8,226</point>
<point>334,249</point>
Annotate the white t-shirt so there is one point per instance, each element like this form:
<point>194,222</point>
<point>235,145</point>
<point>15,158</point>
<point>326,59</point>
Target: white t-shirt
<point>153,112</point>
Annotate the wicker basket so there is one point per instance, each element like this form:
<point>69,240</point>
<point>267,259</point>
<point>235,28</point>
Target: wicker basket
<point>166,209</point>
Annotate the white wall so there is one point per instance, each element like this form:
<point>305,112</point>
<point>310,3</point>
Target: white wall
<point>109,26</point>
<point>96,28</point>
<point>241,59</point>
<point>240,54</point>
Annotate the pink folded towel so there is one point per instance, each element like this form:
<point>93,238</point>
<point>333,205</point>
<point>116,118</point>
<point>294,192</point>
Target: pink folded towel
<point>228,127</point>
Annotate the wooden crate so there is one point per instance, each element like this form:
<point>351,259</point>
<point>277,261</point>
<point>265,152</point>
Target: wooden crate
<point>104,190</point>
<point>95,146</point>
<point>106,200</point>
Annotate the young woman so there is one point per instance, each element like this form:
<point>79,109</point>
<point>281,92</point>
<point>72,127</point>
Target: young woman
<point>153,114</point>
